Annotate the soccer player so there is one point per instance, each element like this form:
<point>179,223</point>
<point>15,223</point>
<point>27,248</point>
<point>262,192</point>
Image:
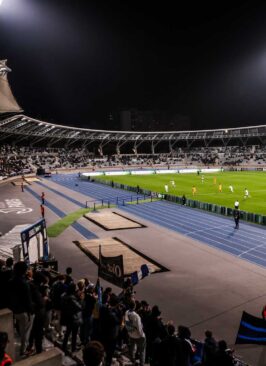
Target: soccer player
<point>246,195</point>
<point>202,179</point>
<point>214,180</point>
<point>166,188</point>
<point>172,183</point>
<point>220,188</point>
<point>194,190</point>
<point>231,189</point>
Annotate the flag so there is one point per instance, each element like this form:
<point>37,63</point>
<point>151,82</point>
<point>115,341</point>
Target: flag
<point>252,330</point>
<point>111,269</point>
<point>139,275</point>
<point>98,290</point>
<point>98,303</point>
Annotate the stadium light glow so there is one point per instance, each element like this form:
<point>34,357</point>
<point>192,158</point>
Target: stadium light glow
<point>1,1</point>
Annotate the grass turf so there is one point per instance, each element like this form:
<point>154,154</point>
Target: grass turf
<point>58,227</point>
<point>207,191</point>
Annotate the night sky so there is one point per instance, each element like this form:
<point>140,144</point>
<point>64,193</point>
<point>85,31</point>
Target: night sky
<point>75,61</point>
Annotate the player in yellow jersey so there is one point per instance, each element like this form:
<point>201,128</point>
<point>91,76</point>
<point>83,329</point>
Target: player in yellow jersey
<point>220,188</point>
<point>194,190</point>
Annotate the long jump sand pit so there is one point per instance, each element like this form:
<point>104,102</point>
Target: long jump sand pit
<point>32,179</point>
<point>111,247</point>
<point>109,220</point>
<point>26,181</point>
<point>18,183</point>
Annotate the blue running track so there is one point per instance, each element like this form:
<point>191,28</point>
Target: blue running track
<point>81,229</point>
<point>249,242</point>
<point>96,191</point>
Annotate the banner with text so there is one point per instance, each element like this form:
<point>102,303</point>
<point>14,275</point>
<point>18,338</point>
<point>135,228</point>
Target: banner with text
<point>111,269</point>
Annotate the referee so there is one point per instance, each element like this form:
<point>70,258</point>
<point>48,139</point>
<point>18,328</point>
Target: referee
<point>236,214</point>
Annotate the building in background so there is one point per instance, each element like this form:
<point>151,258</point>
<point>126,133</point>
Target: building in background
<point>153,120</point>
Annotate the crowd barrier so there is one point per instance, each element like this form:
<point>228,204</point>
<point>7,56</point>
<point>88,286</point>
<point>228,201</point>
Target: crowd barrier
<point>221,210</point>
<point>211,207</point>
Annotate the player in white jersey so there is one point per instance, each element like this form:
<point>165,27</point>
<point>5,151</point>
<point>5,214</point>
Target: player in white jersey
<point>231,189</point>
<point>246,194</point>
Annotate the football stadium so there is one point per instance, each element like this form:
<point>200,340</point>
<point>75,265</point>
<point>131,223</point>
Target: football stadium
<point>130,247</point>
<point>124,246</point>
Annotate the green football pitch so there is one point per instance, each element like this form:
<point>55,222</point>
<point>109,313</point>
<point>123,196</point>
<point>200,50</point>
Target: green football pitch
<point>207,190</point>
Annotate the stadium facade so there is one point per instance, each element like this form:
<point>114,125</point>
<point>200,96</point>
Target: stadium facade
<point>20,129</point>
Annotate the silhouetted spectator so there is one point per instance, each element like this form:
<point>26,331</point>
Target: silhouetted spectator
<point>106,295</point>
<point>155,330</point>
<point>6,274</point>
<point>36,336</point>
<point>21,303</point>
<point>168,348</point>
<point>185,349</point>
<point>71,316</point>
<point>93,354</point>
<point>110,322</point>
<point>209,349</point>
<point>68,277</point>
<point>87,309</point>
<point>5,359</point>
<point>57,290</point>
<point>223,356</point>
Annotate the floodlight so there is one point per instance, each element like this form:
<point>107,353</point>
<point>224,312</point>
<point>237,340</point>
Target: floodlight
<point>1,1</point>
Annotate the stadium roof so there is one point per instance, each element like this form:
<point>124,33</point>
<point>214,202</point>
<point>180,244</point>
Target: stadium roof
<point>8,103</point>
<point>21,127</point>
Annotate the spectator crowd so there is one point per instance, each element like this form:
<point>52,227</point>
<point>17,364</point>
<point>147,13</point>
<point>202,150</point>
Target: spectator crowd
<point>18,160</point>
<point>106,326</point>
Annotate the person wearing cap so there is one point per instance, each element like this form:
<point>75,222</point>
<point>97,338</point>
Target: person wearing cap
<point>5,359</point>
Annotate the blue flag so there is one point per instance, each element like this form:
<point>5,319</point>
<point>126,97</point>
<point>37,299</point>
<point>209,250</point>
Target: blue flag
<point>252,330</point>
<point>98,290</point>
<point>139,275</point>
